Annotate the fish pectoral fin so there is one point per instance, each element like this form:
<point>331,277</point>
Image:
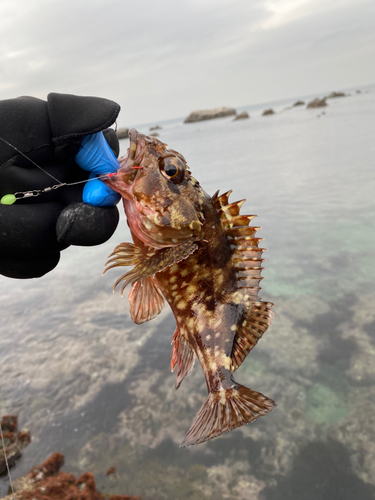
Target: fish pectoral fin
<point>146,300</point>
<point>226,410</point>
<point>252,326</point>
<point>183,356</point>
<point>125,254</point>
<point>152,263</point>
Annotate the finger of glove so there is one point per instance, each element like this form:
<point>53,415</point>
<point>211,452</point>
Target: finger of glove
<point>28,267</point>
<point>14,178</point>
<point>29,230</point>
<point>86,225</point>
<point>25,124</point>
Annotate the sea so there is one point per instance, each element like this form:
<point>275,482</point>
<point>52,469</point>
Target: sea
<point>89,383</point>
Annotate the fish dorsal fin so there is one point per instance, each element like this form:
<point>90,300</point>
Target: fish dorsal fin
<point>247,256</point>
<point>183,356</point>
<point>247,262</point>
<point>146,262</point>
<point>253,323</point>
<point>146,300</point>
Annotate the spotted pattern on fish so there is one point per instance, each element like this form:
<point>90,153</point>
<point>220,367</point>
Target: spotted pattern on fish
<point>201,255</point>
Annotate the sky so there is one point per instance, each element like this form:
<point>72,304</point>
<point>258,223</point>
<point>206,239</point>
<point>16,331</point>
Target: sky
<point>163,59</point>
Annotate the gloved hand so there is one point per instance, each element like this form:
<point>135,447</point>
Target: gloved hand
<point>34,230</point>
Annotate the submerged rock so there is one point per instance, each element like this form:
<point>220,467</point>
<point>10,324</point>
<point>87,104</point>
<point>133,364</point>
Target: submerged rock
<point>122,133</point>
<point>241,116</point>
<point>268,112</point>
<point>209,114</point>
<point>317,103</point>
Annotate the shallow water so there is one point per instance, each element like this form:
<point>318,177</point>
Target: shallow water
<point>88,382</point>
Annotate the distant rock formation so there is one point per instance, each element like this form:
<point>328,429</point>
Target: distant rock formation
<point>299,103</point>
<point>317,103</point>
<point>122,133</point>
<point>209,114</point>
<point>336,94</point>
<point>268,112</point>
<point>154,134</point>
<point>157,127</point>
<point>242,116</point>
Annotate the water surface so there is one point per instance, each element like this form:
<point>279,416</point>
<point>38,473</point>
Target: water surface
<point>88,382</point>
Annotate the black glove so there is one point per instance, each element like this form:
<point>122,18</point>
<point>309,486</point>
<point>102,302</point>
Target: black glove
<point>34,230</point>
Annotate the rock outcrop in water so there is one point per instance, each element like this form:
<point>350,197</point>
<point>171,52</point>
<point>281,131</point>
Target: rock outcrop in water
<point>241,116</point>
<point>209,114</point>
<point>122,133</point>
<point>317,103</point>
<point>332,95</point>
<point>299,103</point>
<point>268,112</point>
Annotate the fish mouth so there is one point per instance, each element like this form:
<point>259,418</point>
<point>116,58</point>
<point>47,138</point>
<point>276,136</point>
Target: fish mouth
<point>142,219</point>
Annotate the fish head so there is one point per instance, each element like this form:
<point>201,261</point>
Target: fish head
<point>163,202</point>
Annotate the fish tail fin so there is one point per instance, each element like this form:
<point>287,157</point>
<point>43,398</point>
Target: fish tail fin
<point>226,410</point>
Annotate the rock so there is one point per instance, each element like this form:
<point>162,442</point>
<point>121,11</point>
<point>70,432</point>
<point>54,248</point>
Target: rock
<point>154,134</point>
<point>332,95</point>
<point>209,114</point>
<point>157,127</point>
<point>45,482</point>
<point>358,91</point>
<point>299,103</point>
<point>122,133</point>
<point>241,116</point>
<point>317,103</point>
<point>268,112</point>
<point>13,442</point>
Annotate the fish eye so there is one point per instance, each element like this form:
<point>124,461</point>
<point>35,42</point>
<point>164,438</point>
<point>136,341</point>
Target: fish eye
<point>172,168</point>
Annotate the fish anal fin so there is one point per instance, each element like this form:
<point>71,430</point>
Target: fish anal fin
<point>255,321</point>
<point>146,300</point>
<point>226,410</point>
<point>183,356</point>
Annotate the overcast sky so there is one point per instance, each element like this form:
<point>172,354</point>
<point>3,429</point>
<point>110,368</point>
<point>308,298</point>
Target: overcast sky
<point>162,59</point>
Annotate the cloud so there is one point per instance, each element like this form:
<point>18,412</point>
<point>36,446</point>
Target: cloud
<point>163,59</point>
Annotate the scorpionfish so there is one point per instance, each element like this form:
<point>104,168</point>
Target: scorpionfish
<point>201,255</point>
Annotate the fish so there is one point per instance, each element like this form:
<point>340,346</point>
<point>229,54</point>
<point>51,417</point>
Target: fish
<point>202,256</point>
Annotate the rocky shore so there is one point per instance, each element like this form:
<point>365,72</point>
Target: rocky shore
<point>209,114</point>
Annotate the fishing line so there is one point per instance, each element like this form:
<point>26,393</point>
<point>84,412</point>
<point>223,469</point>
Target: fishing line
<point>6,461</point>
<point>9,199</point>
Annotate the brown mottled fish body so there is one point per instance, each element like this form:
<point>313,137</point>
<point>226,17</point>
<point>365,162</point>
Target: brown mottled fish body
<point>203,257</point>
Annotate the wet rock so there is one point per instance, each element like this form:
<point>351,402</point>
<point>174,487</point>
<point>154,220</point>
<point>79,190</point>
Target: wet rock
<point>332,95</point>
<point>154,134</point>
<point>157,127</point>
<point>209,114</point>
<point>13,442</point>
<point>268,112</point>
<point>317,103</point>
<point>122,133</point>
<point>46,482</point>
<point>299,103</point>
<point>110,471</point>
<point>241,116</point>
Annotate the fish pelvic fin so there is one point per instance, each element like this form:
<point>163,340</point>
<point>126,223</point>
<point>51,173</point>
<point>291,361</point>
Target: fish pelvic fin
<point>226,410</point>
<point>183,356</point>
<point>146,300</point>
<point>254,322</point>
